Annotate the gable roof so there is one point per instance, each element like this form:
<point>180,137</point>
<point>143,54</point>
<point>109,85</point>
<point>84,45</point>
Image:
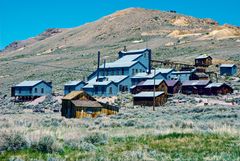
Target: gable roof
<point>171,83</point>
<point>134,51</point>
<point>31,83</point>
<point>150,82</point>
<point>203,57</point>
<point>215,85</point>
<point>107,81</point>
<point>149,94</point>
<point>196,82</point>
<point>151,75</point>
<point>72,95</point>
<point>73,83</point>
<point>227,65</point>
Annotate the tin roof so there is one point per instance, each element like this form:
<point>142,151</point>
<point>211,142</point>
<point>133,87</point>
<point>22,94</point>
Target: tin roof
<point>171,83</point>
<point>150,82</point>
<point>215,85</point>
<point>125,61</point>
<point>72,83</point>
<point>134,51</point>
<point>203,57</point>
<point>196,82</point>
<point>227,65</point>
<point>81,103</point>
<point>106,81</point>
<point>151,75</point>
<point>28,83</point>
<point>149,94</point>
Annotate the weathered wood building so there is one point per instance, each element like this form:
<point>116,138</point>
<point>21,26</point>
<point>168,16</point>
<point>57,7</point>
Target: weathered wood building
<point>78,104</point>
<point>146,98</point>
<point>203,61</point>
<point>199,76</point>
<point>195,86</point>
<point>148,85</point>
<point>218,89</point>
<point>173,86</point>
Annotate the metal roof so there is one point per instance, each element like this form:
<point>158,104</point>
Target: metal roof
<point>195,82</point>
<point>227,65</point>
<point>151,75</point>
<point>149,94</point>
<point>203,57</point>
<point>171,83</point>
<point>150,82</point>
<point>125,61</point>
<point>134,51</point>
<point>72,95</point>
<point>28,83</point>
<point>215,85</point>
<point>106,81</point>
<point>72,83</point>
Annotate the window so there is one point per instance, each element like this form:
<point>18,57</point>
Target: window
<point>110,90</point>
<point>30,91</point>
<point>42,90</point>
<point>36,90</point>
<point>120,88</point>
<point>136,71</point>
<point>117,72</point>
<point>140,70</point>
<point>132,71</point>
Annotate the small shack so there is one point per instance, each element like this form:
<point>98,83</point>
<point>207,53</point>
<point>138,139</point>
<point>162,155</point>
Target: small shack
<point>203,61</point>
<point>195,86</point>
<point>78,104</point>
<point>73,86</point>
<point>218,89</point>
<point>173,86</point>
<point>146,98</point>
<point>148,85</point>
<point>228,69</point>
<point>28,90</point>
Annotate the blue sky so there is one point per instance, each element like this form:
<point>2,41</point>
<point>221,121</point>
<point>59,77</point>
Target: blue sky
<point>21,19</point>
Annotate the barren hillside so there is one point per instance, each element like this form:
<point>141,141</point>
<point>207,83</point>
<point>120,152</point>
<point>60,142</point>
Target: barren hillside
<point>59,55</point>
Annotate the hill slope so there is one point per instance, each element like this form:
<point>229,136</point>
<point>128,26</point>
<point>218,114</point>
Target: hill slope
<point>62,55</point>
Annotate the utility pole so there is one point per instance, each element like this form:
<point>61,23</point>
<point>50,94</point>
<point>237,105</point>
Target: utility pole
<point>154,89</point>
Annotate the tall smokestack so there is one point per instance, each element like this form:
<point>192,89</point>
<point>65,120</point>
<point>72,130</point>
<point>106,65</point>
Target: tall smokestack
<point>98,65</point>
<point>149,62</point>
<point>104,68</point>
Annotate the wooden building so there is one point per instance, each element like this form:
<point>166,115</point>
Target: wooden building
<point>174,86</point>
<point>199,76</point>
<point>148,85</point>
<point>195,86</point>
<point>218,89</point>
<point>203,61</point>
<point>146,98</point>
<point>78,104</point>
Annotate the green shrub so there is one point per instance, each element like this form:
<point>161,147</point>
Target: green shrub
<point>96,138</point>
<point>45,144</point>
<point>13,142</point>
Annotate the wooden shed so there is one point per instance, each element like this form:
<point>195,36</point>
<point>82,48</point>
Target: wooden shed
<point>203,61</point>
<point>218,88</point>
<point>146,98</point>
<point>78,104</point>
<point>148,85</point>
<point>174,86</point>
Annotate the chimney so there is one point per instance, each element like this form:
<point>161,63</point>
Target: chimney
<point>125,48</point>
<point>149,62</point>
<point>104,68</point>
<point>98,65</point>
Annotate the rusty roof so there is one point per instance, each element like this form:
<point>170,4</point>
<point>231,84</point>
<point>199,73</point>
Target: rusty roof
<point>80,103</point>
<point>72,95</point>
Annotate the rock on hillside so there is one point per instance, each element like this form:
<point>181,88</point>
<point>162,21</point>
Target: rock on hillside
<point>20,45</point>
